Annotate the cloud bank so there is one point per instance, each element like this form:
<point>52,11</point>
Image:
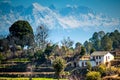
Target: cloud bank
<point>53,19</point>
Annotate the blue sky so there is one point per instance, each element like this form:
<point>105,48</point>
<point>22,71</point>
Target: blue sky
<point>109,7</point>
<point>79,28</point>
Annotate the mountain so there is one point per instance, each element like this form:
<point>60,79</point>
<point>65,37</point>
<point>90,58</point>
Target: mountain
<point>67,18</point>
<point>70,10</point>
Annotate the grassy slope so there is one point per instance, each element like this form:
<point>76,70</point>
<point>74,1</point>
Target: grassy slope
<point>5,78</point>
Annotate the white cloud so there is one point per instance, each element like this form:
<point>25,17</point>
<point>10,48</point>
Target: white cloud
<point>87,20</point>
<point>44,15</point>
<point>6,1</point>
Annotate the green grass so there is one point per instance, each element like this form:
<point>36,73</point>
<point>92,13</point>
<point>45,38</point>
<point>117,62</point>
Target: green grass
<point>19,60</point>
<point>6,78</point>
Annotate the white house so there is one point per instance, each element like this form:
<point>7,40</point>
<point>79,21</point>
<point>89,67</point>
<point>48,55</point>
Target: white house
<point>97,58</point>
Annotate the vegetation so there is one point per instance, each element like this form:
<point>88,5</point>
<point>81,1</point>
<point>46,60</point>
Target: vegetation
<point>21,33</point>
<point>83,51</point>
<point>101,41</point>
<point>89,66</point>
<point>93,76</point>
<point>42,55</point>
<point>4,78</point>
<point>41,36</point>
<point>67,42</point>
<point>59,65</point>
<point>102,69</point>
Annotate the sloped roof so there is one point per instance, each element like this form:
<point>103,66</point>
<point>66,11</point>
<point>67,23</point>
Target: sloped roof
<point>99,53</point>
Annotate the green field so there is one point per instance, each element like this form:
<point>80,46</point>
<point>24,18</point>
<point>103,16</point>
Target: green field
<point>5,78</point>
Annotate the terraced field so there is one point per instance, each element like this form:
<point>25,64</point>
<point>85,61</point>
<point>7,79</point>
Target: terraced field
<point>4,78</point>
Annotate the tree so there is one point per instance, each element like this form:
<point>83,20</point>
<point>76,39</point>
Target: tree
<point>92,50</point>
<point>93,75</point>
<point>96,39</point>
<point>2,57</point>
<point>77,47</point>
<point>48,49</point>
<point>89,66</point>
<point>115,37</point>
<point>59,64</point>
<point>4,45</point>
<point>88,46</point>
<point>67,42</point>
<point>23,32</point>
<point>56,50</point>
<point>41,36</point>
<point>106,43</point>
<point>39,56</point>
<point>83,51</point>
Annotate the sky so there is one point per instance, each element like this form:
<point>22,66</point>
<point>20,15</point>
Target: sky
<point>77,30</point>
<point>109,7</point>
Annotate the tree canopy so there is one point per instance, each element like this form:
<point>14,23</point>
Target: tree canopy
<point>59,65</point>
<point>23,32</point>
<point>101,41</point>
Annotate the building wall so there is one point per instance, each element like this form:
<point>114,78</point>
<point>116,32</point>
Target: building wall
<point>96,60</point>
<point>108,57</point>
<point>82,63</point>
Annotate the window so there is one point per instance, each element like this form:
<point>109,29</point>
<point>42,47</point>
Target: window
<point>82,64</point>
<point>108,57</point>
<point>93,57</point>
<point>96,63</point>
<point>96,57</point>
<point>99,57</point>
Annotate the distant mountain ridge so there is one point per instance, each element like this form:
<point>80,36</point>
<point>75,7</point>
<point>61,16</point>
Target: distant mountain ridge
<point>68,17</point>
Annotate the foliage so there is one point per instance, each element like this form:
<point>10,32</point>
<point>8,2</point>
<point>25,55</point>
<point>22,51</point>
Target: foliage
<point>78,47</point>
<point>48,49</point>
<point>115,37</point>
<point>59,64</point>
<point>102,69</point>
<point>83,51</point>
<point>39,56</point>
<point>92,50</point>
<point>4,45</point>
<point>92,75</point>
<point>19,60</point>
<point>89,66</point>
<point>21,33</point>
<point>96,39</point>
<point>67,42</point>
<point>2,57</point>
<point>88,46</point>
<point>102,41</point>
<point>106,43</point>
<point>23,78</point>
<point>112,71</point>
<point>41,36</point>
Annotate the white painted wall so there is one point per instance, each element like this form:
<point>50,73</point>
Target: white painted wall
<point>85,61</point>
<point>109,57</point>
<point>101,60</point>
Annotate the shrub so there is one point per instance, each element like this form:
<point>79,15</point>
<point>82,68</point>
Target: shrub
<point>93,75</point>
<point>102,69</point>
<point>59,64</point>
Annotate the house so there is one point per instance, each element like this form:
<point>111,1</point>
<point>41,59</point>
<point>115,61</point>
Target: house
<point>97,58</point>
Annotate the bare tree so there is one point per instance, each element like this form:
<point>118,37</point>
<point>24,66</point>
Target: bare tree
<point>67,42</point>
<point>41,36</point>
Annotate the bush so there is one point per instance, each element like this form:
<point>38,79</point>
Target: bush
<point>102,69</point>
<point>93,75</point>
<point>59,64</point>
